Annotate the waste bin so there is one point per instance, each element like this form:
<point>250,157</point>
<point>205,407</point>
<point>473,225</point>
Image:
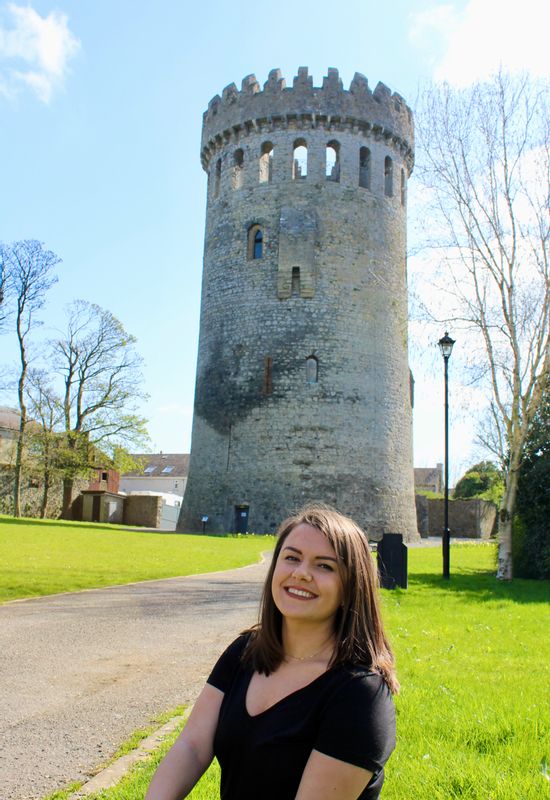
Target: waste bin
<point>392,561</point>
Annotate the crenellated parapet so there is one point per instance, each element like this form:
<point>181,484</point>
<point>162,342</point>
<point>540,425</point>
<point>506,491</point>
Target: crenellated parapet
<point>379,114</point>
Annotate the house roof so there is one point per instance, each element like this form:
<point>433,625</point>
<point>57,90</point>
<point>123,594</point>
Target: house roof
<point>423,475</point>
<point>9,418</point>
<point>160,465</point>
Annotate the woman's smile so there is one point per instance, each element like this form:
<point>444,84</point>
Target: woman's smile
<point>301,594</point>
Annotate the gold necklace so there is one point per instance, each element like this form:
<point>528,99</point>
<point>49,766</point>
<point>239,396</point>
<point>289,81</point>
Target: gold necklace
<point>311,655</point>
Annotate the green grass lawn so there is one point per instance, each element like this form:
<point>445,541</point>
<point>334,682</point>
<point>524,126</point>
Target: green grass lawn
<point>39,557</point>
<point>474,710</point>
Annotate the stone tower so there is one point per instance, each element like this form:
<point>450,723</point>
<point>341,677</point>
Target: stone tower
<point>303,389</point>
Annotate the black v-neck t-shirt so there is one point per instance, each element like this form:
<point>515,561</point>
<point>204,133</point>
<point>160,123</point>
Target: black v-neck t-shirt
<point>347,713</point>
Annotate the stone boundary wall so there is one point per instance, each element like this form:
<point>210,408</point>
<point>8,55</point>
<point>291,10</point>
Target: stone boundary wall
<point>31,493</point>
<point>142,511</point>
<point>467,518</point>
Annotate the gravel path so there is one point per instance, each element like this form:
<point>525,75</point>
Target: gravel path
<point>80,672</point>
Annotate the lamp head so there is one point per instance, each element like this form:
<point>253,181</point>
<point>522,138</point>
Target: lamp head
<point>446,345</point>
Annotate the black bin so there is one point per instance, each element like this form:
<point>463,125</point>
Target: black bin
<point>392,561</point>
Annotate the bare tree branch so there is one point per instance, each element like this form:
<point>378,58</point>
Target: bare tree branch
<point>28,268</point>
<point>102,382</point>
<point>485,162</point>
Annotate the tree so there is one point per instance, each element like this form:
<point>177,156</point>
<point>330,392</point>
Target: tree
<point>485,157</point>
<point>28,268</point>
<point>531,526</point>
<point>45,440</point>
<point>4,289</point>
<point>102,384</point>
<point>480,480</point>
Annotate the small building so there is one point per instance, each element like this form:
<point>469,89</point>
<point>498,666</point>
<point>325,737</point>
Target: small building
<point>429,479</point>
<point>162,473</point>
<point>102,506</point>
<point>9,431</point>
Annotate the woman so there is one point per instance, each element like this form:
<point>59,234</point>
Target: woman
<point>299,707</point>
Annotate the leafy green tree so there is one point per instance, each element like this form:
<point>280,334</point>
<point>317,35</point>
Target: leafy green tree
<point>483,480</point>
<point>532,521</point>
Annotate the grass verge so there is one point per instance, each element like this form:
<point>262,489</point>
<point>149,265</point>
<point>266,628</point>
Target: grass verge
<point>473,713</point>
<point>41,557</point>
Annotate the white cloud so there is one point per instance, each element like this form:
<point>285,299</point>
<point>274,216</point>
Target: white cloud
<point>35,51</point>
<point>473,42</point>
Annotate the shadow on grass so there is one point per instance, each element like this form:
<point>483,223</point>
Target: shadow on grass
<point>483,585</point>
<point>44,523</point>
<point>117,527</point>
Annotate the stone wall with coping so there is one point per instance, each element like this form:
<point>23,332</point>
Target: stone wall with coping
<point>467,518</point>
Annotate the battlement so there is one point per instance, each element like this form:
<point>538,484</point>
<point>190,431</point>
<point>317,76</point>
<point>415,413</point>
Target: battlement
<point>379,112</point>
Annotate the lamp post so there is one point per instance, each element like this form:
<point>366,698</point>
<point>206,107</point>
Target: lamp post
<point>446,347</point>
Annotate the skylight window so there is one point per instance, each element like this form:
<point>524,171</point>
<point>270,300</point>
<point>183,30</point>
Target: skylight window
<point>168,469</point>
<point>148,470</point>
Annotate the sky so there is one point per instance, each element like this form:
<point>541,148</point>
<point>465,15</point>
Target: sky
<point>101,109</point>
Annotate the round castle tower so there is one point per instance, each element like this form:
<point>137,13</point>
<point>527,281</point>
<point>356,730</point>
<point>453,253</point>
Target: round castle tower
<point>303,389</point>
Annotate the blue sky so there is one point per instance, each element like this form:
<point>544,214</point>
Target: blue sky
<point>101,108</point>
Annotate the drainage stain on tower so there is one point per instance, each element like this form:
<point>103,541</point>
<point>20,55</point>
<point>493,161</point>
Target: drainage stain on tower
<point>302,388</point>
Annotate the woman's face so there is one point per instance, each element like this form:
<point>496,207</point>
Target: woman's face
<point>306,583</point>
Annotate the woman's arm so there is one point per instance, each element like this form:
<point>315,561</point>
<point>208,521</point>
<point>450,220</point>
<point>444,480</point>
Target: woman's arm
<point>328,778</point>
<point>192,751</point>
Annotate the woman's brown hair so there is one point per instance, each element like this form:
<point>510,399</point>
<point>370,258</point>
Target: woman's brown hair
<point>359,632</point>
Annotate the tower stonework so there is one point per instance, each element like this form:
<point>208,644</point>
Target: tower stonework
<point>303,389</point>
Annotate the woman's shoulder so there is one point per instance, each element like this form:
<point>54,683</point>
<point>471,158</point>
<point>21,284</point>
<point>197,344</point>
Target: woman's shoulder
<point>238,645</point>
<point>229,662</point>
<point>359,681</point>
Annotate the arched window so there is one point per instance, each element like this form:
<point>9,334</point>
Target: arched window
<point>312,369</point>
<point>238,169</point>
<point>299,159</point>
<point>332,162</point>
<point>403,188</point>
<point>217,177</point>
<point>364,167</point>
<point>388,177</point>
<point>266,162</point>
<point>255,243</point>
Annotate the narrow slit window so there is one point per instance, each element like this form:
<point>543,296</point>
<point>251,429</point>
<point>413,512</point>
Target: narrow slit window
<point>238,168</point>
<point>295,285</point>
<point>299,160</point>
<point>266,163</point>
<point>364,168</point>
<point>217,177</point>
<point>268,375</point>
<point>332,162</point>
<point>255,245</point>
<point>312,369</point>
<point>403,188</point>
<point>388,177</point>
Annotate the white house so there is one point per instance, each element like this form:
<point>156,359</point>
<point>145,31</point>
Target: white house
<point>161,473</point>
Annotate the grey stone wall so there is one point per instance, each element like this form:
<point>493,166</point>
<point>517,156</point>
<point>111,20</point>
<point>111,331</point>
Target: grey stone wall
<point>31,493</point>
<point>142,510</point>
<point>467,518</point>
<point>273,442</point>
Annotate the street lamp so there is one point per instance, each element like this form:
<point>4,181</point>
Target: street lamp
<point>446,347</point>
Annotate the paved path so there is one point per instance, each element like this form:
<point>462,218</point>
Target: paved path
<point>80,672</point>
